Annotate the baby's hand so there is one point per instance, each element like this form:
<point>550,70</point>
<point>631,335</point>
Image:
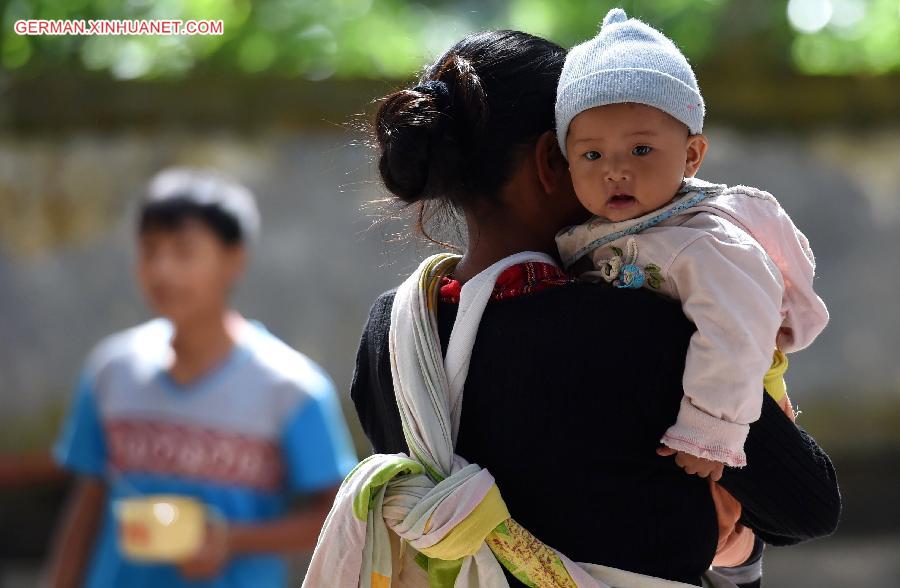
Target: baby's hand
<point>705,468</point>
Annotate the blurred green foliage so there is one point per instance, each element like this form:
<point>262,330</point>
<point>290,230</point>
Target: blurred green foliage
<point>318,39</point>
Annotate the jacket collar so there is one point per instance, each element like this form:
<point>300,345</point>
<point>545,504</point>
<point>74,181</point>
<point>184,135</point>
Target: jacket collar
<point>692,192</point>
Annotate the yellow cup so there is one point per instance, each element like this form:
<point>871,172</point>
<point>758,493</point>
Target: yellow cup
<point>160,527</point>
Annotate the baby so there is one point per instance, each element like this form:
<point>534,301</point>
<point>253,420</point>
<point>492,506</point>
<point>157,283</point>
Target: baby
<point>629,119</point>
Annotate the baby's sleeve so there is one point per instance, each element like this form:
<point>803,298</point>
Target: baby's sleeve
<point>732,292</point>
<point>805,314</point>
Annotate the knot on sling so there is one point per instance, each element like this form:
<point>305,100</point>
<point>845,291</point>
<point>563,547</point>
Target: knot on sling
<point>448,520</point>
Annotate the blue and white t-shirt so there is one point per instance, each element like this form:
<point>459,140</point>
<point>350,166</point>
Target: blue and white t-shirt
<point>263,425</point>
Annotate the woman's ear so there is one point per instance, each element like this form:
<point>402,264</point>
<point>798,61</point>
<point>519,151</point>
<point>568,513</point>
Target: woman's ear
<point>552,167</point>
<point>696,151</point>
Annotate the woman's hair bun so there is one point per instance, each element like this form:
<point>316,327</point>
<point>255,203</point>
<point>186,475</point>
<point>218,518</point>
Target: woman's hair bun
<point>438,90</point>
<point>456,136</point>
<point>409,126</point>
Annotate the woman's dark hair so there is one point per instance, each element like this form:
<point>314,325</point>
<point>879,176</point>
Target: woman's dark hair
<point>170,214</point>
<point>454,137</point>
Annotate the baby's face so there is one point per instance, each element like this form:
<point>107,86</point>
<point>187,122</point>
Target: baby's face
<point>629,159</point>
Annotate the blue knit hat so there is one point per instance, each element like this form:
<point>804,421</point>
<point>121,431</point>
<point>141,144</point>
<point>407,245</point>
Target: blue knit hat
<point>628,61</point>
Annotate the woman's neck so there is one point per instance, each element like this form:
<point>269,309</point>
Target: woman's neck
<point>202,344</point>
<point>489,243</point>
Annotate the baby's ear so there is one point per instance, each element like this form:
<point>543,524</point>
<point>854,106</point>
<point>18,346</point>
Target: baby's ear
<point>696,151</point>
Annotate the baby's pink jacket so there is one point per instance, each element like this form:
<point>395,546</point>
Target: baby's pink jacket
<point>744,275</point>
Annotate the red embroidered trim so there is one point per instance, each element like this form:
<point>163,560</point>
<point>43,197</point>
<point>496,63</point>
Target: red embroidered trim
<point>194,452</point>
<point>517,280</point>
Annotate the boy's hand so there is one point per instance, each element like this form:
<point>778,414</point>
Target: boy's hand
<point>705,468</point>
<point>211,557</point>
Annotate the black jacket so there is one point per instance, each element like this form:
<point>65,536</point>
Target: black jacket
<point>568,393</point>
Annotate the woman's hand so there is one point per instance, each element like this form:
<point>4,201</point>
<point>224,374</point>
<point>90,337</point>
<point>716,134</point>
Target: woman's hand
<point>698,466</point>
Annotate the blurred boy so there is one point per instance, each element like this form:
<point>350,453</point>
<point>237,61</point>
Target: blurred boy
<point>200,403</point>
